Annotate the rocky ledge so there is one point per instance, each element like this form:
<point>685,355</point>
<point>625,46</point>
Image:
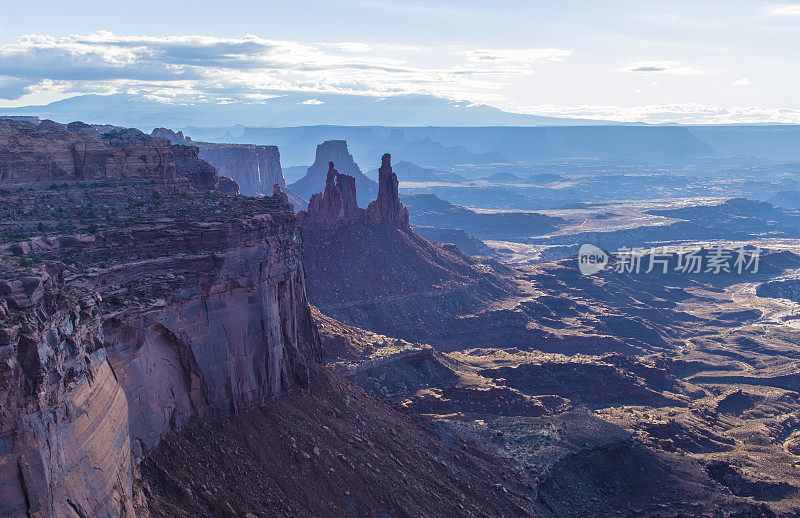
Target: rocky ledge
<point>49,151</point>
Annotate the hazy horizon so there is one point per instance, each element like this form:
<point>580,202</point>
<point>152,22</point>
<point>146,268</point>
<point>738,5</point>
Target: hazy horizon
<point>713,62</point>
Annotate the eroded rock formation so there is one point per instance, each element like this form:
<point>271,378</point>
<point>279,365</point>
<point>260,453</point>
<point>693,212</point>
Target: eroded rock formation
<point>201,174</point>
<point>176,137</point>
<point>51,151</point>
<point>254,169</point>
<point>387,209</point>
<point>227,185</point>
<point>31,152</point>
<point>336,205</point>
<point>315,179</point>
<point>400,273</point>
<point>183,305</point>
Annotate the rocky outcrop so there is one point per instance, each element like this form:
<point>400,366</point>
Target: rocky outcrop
<point>315,179</point>
<point>227,186</point>
<point>336,205</point>
<point>400,273</point>
<point>254,168</point>
<point>176,137</point>
<point>201,174</point>
<point>189,306</point>
<point>49,151</point>
<point>387,209</point>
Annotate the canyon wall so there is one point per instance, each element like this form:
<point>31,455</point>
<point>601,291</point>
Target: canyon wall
<point>48,151</point>
<point>51,151</point>
<point>191,305</point>
<point>256,169</point>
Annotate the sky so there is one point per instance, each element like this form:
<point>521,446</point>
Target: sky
<point>651,61</point>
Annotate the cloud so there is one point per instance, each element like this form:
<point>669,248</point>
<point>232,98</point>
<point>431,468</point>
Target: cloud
<point>741,82</point>
<point>196,68</point>
<point>665,67</point>
<point>313,102</point>
<point>786,10</point>
<point>13,87</point>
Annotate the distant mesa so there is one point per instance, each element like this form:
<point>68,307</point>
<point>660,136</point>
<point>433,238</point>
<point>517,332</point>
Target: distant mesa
<point>316,177</point>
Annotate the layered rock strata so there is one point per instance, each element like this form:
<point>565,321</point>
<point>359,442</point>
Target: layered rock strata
<point>48,151</point>
<point>387,209</point>
<point>185,305</point>
<point>254,168</point>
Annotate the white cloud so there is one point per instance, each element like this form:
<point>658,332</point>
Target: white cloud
<point>662,67</point>
<point>741,82</point>
<point>203,68</point>
<point>313,101</point>
<point>786,10</point>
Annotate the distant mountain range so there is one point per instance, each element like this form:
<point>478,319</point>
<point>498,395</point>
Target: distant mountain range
<point>287,109</point>
<point>426,130</point>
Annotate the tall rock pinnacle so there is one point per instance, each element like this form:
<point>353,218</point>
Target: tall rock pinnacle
<point>336,204</point>
<point>387,209</point>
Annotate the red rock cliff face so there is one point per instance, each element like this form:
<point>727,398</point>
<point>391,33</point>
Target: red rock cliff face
<point>387,209</point>
<point>336,205</point>
<point>49,151</point>
<point>254,168</point>
<point>201,315</point>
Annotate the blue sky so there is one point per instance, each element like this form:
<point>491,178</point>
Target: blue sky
<point>701,61</point>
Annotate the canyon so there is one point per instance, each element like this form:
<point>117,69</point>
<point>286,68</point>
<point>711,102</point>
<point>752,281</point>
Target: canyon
<point>138,312</point>
<point>178,340</point>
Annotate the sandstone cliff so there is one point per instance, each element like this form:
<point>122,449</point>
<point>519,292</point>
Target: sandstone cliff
<point>334,151</point>
<point>181,305</point>
<point>48,151</point>
<point>255,169</point>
